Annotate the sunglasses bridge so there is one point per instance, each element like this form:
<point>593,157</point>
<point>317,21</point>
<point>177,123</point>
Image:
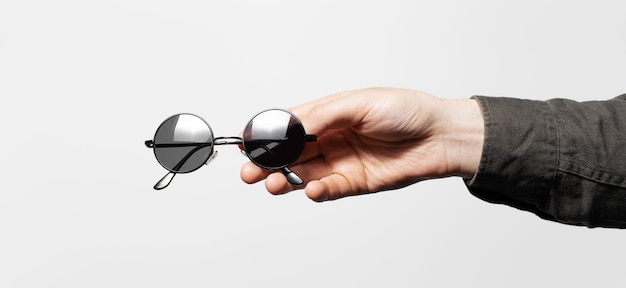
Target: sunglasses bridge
<point>227,141</point>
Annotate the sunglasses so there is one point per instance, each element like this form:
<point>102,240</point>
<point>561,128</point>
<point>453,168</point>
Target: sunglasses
<point>273,140</point>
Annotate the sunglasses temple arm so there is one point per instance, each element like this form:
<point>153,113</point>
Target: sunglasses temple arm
<point>165,181</point>
<point>292,178</point>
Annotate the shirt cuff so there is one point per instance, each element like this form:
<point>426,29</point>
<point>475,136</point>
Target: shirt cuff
<point>520,154</point>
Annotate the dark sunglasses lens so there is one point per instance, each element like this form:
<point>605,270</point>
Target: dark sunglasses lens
<point>183,143</point>
<point>274,139</point>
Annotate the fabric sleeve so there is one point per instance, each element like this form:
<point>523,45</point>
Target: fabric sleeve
<point>563,160</point>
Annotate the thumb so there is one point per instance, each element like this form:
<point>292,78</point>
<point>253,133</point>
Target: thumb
<point>332,112</point>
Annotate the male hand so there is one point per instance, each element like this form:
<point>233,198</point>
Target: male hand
<point>380,139</point>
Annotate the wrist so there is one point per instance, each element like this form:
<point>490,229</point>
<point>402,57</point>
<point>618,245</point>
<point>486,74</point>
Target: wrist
<point>464,135</point>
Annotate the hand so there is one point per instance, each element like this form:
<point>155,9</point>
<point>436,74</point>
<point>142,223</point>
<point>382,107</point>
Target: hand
<point>379,139</point>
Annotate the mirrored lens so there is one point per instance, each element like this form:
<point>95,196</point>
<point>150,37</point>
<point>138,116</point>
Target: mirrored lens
<point>183,143</point>
<point>274,139</point>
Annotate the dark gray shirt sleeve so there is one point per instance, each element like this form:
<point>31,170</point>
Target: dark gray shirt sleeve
<point>560,159</point>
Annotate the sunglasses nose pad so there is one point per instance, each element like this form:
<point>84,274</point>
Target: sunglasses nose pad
<point>243,152</point>
<point>211,157</point>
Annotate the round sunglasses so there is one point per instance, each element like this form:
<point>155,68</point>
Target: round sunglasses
<point>273,139</point>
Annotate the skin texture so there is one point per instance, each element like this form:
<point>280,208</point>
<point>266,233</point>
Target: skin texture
<point>379,139</point>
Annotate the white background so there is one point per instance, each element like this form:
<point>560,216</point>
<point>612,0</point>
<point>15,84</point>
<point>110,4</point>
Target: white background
<point>84,83</point>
